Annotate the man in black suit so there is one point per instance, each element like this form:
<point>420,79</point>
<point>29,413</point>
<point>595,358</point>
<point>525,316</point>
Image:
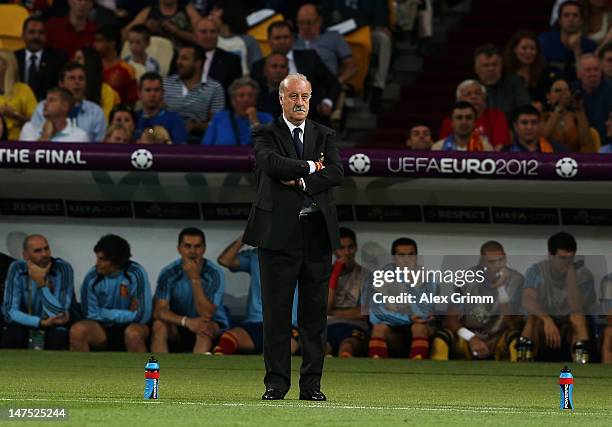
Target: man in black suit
<point>276,69</point>
<point>39,66</point>
<point>326,86</point>
<point>220,65</point>
<point>294,225</point>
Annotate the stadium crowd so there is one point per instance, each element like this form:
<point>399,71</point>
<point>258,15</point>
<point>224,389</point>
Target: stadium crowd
<point>191,72</point>
<point>551,312</point>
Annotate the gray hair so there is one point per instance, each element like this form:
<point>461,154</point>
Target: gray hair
<point>467,83</point>
<point>586,56</point>
<point>242,82</point>
<point>297,76</point>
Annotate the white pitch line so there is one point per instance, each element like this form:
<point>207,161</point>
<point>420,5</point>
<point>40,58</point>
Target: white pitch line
<point>315,405</point>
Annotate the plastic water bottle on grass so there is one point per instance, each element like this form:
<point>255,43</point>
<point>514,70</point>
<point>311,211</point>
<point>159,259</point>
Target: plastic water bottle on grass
<point>151,378</point>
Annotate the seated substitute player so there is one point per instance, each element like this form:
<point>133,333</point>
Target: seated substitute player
<point>116,301</point>
<point>346,325</point>
<point>606,310</point>
<point>557,293</point>
<point>188,306</point>
<point>480,330</point>
<point>248,337</point>
<point>400,329</point>
<point>38,292</point>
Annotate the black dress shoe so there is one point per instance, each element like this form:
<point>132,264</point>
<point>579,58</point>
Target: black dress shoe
<point>273,394</point>
<point>312,395</point>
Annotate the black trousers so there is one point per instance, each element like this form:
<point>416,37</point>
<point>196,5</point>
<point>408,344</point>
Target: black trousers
<point>307,261</point>
<point>15,335</point>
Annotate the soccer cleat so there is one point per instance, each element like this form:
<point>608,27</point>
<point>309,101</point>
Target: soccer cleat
<point>441,344</point>
<point>524,350</point>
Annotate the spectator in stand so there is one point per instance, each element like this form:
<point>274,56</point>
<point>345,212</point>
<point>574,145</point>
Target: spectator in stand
<point>596,92</point>
<point>220,65</point>
<point>233,126</point>
<point>562,46</point>
<point>330,46</point>
<point>605,55</point>
<point>117,73</point>
<point>151,94</point>
<point>155,135</point>
<point>39,66</point>
<point>606,145</point>
<point>527,133</point>
<point>117,134</point>
<point>99,13</point>
<point>116,301</point>
<point>139,38</point>
<point>504,92</point>
<point>420,138</point>
<point>374,13</point>
<point>98,91</point>
<point>463,122</point>
<point>491,123</point>
<point>597,20</point>
<point>230,18</point>
<point>171,19</point>
<point>74,31</point>
<point>17,102</point>
<point>565,120</point>
<point>325,86</point>
<point>276,69</point>
<point>522,57</point>
<point>186,94</point>
<point>124,115</point>
<point>89,116</point>
<point>3,133</point>
<point>57,127</point>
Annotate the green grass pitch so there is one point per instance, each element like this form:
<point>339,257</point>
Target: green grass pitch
<point>107,389</point>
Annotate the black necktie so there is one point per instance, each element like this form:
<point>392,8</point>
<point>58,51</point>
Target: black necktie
<point>32,71</point>
<point>299,147</point>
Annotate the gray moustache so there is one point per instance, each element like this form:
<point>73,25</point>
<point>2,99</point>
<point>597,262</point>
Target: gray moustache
<point>299,108</point>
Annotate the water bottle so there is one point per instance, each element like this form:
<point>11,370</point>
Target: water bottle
<point>151,378</point>
<point>36,339</point>
<point>566,383</point>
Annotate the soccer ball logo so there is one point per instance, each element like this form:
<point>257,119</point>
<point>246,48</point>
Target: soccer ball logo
<point>566,167</point>
<point>142,159</point>
<point>359,163</point>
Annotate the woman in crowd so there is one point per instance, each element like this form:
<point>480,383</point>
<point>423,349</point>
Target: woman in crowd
<point>123,115</point>
<point>233,126</point>
<point>565,120</point>
<point>171,19</point>
<point>97,91</point>
<point>17,101</point>
<point>522,56</point>
<point>229,17</point>
<point>597,21</point>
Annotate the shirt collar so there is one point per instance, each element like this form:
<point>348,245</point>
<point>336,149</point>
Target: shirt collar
<point>292,126</point>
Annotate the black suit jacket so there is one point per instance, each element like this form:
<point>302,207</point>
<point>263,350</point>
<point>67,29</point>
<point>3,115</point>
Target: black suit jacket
<point>225,68</point>
<point>274,213</point>
<point>51,64</point>
<point>308,62</point>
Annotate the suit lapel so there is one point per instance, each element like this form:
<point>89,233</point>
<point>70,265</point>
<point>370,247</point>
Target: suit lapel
<point>285,137</point>
<point>310,142</point>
